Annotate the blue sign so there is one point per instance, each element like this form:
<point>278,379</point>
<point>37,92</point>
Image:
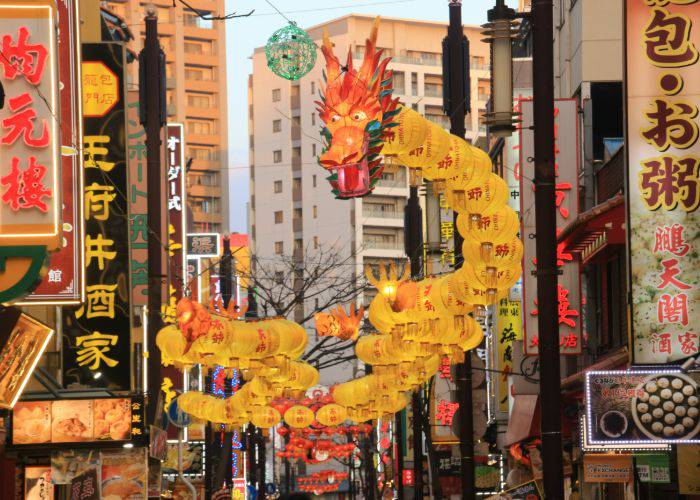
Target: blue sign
<point>176,416</point>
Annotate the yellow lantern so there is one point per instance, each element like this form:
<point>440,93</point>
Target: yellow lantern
<point>505,254</point>
<point>265,417</point>
<point>411,132</point>
<point>430,152</point>
<point>477,199</point>
<point>299,417</point>
<point>331,415</point>
<point>498,227</point>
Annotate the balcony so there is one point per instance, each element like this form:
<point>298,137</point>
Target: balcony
<point>441,120</point>
<point>204,191</point>
<point>382,245</point>
<point>201,216</point>
<point>170,83</point>
<point>297,224</point>
<point>421,61</point>
<point>296,133</point>
<point>296,102</point>
<point>432,90</point>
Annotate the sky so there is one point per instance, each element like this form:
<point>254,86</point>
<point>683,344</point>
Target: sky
<point>243,35</point>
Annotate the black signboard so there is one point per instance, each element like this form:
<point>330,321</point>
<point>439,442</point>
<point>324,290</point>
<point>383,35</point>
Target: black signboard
<point>96,335</point>
<point>203,245</point>
<point>86,486</point>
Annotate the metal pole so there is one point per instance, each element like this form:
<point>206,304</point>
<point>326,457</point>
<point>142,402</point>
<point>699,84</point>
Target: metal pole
<point>413,222</point>
<point>547,318</point>
<point>154,177</point>
<point>400,438</point>
<point>459,102</point>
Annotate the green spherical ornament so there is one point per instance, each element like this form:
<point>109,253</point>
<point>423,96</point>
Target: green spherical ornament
<point>290,52</point>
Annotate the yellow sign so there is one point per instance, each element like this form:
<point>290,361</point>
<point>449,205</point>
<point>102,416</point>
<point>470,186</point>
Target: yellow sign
<point>100,89</point>
<point>509,329</point>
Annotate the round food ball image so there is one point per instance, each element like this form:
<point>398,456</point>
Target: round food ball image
<point>668,431</point>
<point>679,429</point>
<point>668,406</point>
<point>651,387</point>
<point>646,418</point>
<point>662,382</point>
<point>658,413</point>
<point>642,407</point>
<point>688,422</point>
<point>654,400</point>
<point>693,412</point>
<point>688,390</point>
<point>643,397</point>
<point>680,411</point>
<point>693,400</point>
<point>666,393</point>
<point>657,427</point>
<point>677,383</point>
<point>670,418</point>
<point>678,397</point>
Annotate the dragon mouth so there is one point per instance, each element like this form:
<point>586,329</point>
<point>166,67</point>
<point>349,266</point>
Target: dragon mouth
<point>352,177</point>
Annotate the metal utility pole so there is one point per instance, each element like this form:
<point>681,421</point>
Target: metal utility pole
<point>413,224</point>
<point>151,88</point>
<point>546,225</point>
<point>457,102</point>
<point>400,433</point>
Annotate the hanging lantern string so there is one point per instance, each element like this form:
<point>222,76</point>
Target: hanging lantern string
<point>278,11</point>
<point>209,17</point>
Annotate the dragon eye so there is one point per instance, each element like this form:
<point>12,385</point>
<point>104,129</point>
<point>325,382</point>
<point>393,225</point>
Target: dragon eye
<point>335,118</point>
<point>360,115</point>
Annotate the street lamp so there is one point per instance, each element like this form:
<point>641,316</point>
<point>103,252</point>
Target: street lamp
<point>500,32</point>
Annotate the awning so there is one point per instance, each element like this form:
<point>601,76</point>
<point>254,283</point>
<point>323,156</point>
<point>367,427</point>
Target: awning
<point>596,230</point>
<point>524,421</point>
<point>616,360</point>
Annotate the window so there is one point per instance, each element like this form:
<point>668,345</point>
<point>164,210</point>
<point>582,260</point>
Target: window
<point>200,100</point>
<point>297,213</point>
<point>278,186</point>
<point>296,184</point>
<point>279,248</point>
<point>201,127</point>
<point>279,277</point>
<point>298,245</point>
<point>202,153</point>
<point>314,210</point>
<point>414,84</point>
<point>313,88</point>
<point>277,125</point>
<point>313,118</point>
<point>277,156</point>
<point>315,242</point>
<point>399,78</point>
<point>199,47</point>
<point>276,95</point>
<point>195,21</point>
<point>199,73</point>
<point>279,217</point>
<point>313,180</point>
<point>313,152</point>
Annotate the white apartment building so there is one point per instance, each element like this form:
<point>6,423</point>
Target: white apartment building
<point>291,205</point>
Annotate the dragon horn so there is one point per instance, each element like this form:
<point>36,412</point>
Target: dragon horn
<point>405,274</point>
<point>392,271</point>
<point>375,29</point>
<point>382,272</point>
<point>369,274</point>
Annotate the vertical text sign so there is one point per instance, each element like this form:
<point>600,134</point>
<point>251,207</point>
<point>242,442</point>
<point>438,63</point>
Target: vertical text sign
<point>29,142</point>
<point>566,169</point>
<point>97,334</point>
<point>662,44</point>
<point>175,155</point>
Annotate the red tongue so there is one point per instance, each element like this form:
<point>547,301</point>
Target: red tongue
<point>352,179</point>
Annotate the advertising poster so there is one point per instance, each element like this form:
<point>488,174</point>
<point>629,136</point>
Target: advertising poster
<point>688,460</point>
<point>86,486</point>
<point>19,356</point>
<point>76,421</point>
<point>634,407</point>
<point>124,474</point>
<point>526,491</point>
<point>67,464</point>
<point>97,334</point>
<point>192,459</point>
<point>37,483</point>
<point>662,42</point>
<point>607,468</point>
<point>567,202</point>
<point>653,468</point>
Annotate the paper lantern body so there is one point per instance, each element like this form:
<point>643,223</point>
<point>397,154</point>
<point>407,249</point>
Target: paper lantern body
<point>299,417</point>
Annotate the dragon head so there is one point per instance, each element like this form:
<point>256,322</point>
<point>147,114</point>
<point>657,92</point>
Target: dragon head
<point>357,110</point>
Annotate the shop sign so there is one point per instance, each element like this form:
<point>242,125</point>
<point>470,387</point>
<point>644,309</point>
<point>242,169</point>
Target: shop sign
<point>508,330</point>
<point>607,468</point>
<point>30,193</point>
<point>664,193</point>
<point>22,350</point>
<point>526,491</point>
<point>567,209</point>
<point>63,281</point>
<point>443,410</point>
<point>193,277</point>
<point>407,478</point>
<point>641,407</point>
<point>85,486</point>
<point>158,443</point>
<point>688,460</point>
<point>78,421</point>
<point>138,198</point>
<point>97,334</point>
<point>66,464</point>
<point>203,245</point>
<point>37,483</point>
<point>653,468</point>
<point>175,162</point>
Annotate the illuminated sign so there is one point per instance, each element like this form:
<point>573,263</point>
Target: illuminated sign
<point>64,282</point>
<point>30,196</point>
<point>508,330</point>
<point>636,407</point>
<point>23,347</point>
<point>663,157</point>
<point>100,89</point>
<point>78,421</point>
<point>175,171</point>
<point>97,334</point>
<point>203,245</point>
<point>566,168</point>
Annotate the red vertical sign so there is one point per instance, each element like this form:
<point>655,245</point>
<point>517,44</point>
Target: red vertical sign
<point>175,155</point>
